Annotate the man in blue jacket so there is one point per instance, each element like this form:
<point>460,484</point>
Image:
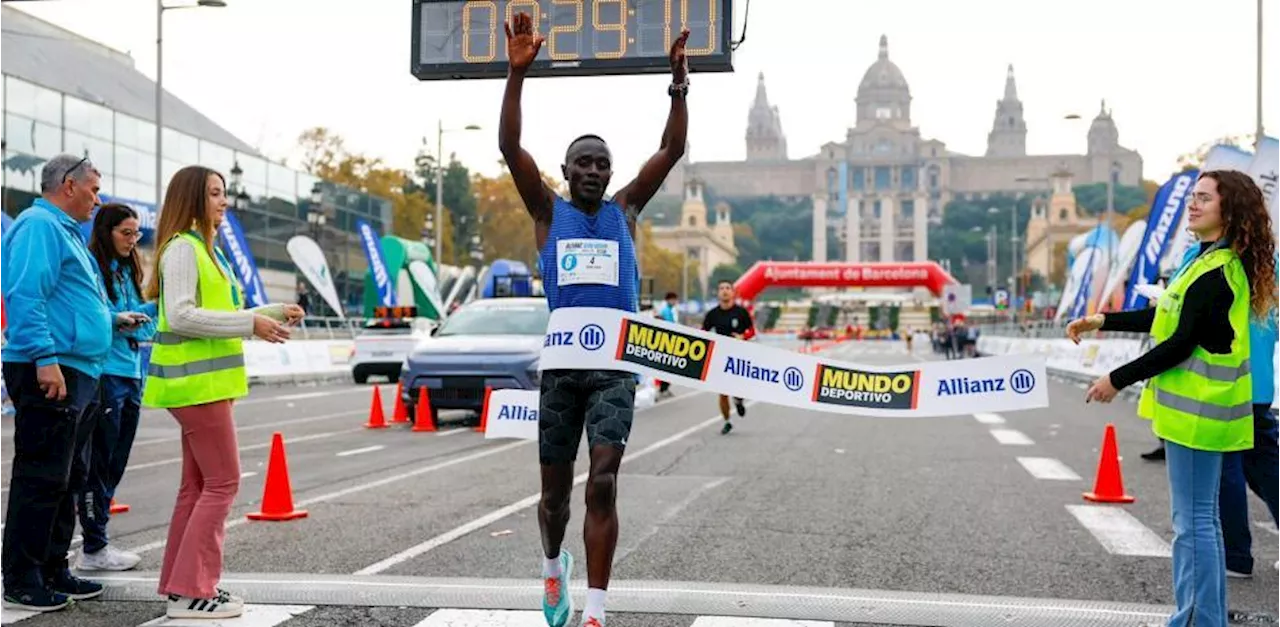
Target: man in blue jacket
<point>1255,468</point>
<point>58,337</point>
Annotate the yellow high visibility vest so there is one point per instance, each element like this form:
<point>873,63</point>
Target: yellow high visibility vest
<point>1206,402</point>
<point>195,370</point>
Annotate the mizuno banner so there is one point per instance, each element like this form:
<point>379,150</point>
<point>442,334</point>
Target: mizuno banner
<point>377,267</point>
<point>1165,216</point>
<point>237,248</point>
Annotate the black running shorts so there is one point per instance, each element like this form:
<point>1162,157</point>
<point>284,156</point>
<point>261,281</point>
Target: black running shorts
<point>601,400</point>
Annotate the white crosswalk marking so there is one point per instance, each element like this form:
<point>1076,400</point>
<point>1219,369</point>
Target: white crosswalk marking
<point>733,621</point>
<point>1048,468</point>
<point>9,617</point>
<point>990,419</point>
<point>483,618</point>
<point>254,616</point>
<point>1011,437</point>
<point>1119,532</point>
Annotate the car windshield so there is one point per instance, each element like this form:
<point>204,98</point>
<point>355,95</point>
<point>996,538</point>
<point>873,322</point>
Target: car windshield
<point>497,320</point>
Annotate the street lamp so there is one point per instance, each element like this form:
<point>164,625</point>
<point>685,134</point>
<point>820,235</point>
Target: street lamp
<point>440,131</point>
<point>239,198</point>
<point>160,9</point>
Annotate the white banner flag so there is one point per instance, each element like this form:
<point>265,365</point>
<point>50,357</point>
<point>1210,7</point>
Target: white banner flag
<point>512,414</point>
<point>306,254</point>
<point>1265,171</point>
<point>426,280</point>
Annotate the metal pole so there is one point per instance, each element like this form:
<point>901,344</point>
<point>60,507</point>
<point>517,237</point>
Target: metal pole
<point>1111,207</point>
<point>1013,264</point>
<point>159,100</point>
<point>439,193</point>
<point>1258,140</point>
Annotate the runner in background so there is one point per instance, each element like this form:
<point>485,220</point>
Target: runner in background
<point>732,319</point>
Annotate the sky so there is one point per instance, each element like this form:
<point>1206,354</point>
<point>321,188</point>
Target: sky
<point>1175,74</point>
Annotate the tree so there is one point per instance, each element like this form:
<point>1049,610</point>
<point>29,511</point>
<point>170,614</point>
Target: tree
<point>506,231</point>
<point>325,156</point>
<point>459,198</point>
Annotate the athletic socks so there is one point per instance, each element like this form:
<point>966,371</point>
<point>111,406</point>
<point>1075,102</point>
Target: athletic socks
<point>595,604</point>
<point>550,567</point>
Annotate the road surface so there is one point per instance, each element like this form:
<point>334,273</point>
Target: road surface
<point>809,519</point>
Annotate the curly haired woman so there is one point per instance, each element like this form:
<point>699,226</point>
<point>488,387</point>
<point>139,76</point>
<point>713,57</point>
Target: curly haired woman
<point>1199,397</point>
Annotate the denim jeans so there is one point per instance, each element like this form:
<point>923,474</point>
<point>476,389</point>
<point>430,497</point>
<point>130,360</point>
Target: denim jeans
<point>1199,569</point>
<point>1255,468</point>
<point>114,426</point>
<point>50,441</point>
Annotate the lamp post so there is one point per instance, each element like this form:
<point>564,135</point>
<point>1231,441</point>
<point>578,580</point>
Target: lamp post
<point>1258,140</point>
<point>160,9</point>
<point>239,197</point>
<point>440,131</point>
<point>316,219</point>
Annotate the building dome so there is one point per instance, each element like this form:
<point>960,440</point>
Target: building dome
<point>883,93</point>
<point>1104,137</point>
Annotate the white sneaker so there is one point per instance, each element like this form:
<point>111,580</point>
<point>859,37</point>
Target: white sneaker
<point>109,558</point>
<point>220,606</point>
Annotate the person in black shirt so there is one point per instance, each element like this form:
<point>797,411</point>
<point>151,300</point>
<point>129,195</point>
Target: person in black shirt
<point>1226,210</point>
<point>732,319</point>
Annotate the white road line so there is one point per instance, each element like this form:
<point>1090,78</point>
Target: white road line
<point>240,519</point>
<point>449,432</point>
<point>1261,524</point>
<point>483,618</point>
<point>1048,468</point>
<point>990,419</point>
<point>246,475</point>
<point>9,617</point>
<point>503,512</point>
<point>358,451</point>
<point>267,425</point>
<point>254,616</point>
<point>251,447</point>
<point>734,621</point>
<point>1119,532</point>
<point>1011,437</point>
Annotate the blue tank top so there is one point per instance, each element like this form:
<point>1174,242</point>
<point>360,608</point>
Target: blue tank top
<point>608,224</point>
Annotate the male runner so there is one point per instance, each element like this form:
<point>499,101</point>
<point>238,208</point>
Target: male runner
<point>728,318</point>
<point>602,401</point>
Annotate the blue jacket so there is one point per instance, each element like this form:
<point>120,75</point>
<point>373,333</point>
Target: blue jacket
<point>53,296</point>
<point>125,361</point>
<point>1262,345</point>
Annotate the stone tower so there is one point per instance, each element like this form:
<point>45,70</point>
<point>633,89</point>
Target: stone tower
<point>722,230</point>
<point>883,95</point>
<point>765,139</point>
<point>1008,136</point>
<point>693,213</point>
<point>1104,137</point>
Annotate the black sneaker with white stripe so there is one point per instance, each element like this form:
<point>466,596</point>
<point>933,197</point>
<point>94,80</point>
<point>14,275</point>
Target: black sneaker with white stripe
<point>224,605</point>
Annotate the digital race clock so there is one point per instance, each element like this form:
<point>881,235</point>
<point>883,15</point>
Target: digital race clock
<point>455,39</point>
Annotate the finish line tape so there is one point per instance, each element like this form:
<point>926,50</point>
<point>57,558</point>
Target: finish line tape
<point>586,338</point>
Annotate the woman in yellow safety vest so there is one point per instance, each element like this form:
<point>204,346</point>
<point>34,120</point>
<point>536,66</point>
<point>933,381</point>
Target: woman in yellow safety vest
<point>196,371</point>
<point>1199,394</point>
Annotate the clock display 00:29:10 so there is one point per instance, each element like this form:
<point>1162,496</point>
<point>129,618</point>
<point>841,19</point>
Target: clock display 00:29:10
<point>486,14</point>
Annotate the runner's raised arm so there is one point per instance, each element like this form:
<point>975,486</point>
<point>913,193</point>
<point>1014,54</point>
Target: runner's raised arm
<point>522,47</point>
<point>638,192</point>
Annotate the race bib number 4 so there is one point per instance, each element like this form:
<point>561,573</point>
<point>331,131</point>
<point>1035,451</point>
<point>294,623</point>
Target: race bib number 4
<point>587,261</point>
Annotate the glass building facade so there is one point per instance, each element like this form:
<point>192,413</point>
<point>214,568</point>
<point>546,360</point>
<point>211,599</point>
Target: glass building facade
<point>40,123</point>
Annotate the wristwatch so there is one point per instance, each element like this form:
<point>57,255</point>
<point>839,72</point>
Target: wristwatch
<point>678,89</point>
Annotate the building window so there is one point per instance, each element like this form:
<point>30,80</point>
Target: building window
<point>180,147</point>
<point>908,208</point>
<point>282,183</point>
<point>884,113</point>
<point>89,119</point>
<point>33,101</point>
<point>100,151</point>
<point>219,158</point>
<point>693,220</point>
<point>135,133</point>
<point>31,137</point>
<point>255,174</point>
<point>908,174</point>
<point>1062,215</point>
<point>883,146</point>
<point>883,178</point>
<point>137,165</point>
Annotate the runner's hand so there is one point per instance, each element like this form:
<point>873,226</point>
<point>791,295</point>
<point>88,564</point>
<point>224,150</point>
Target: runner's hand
<point>1083,325</point>
<point>522,44</point>
<point>679,62</point>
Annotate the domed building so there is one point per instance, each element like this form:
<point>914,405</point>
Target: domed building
<point>878,189</point>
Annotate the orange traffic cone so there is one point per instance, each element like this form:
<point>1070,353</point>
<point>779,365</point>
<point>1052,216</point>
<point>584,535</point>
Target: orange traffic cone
<point>377,420</point>
<point>277,495</point>
<point>484,410</point>
<point>1108,487</point>
<point>425,419</point>
<point>118,508</point>
<point>399,415</point>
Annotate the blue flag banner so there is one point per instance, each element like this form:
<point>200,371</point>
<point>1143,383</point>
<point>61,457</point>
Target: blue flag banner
<point>146,217</point>
<point>237,248</point>
<point>1162,220</point>
<point>378,267</point>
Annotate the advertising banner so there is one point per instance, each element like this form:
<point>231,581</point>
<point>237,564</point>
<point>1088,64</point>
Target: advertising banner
<point>1165,216</point>
<point>306,254</point>
<point>607,339</point>
<point>377,266</point>
<point>237,248</point>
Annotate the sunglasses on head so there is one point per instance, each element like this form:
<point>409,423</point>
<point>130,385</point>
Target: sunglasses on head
<point>66,177</point>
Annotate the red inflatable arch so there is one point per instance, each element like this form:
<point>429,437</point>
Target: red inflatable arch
<point>766,274</point>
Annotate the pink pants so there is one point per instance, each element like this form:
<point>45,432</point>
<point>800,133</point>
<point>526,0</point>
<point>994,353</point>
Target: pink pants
<point>210,480</point>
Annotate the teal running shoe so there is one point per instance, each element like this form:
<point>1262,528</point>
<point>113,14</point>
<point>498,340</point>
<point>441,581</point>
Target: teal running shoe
<point>557,603</point>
